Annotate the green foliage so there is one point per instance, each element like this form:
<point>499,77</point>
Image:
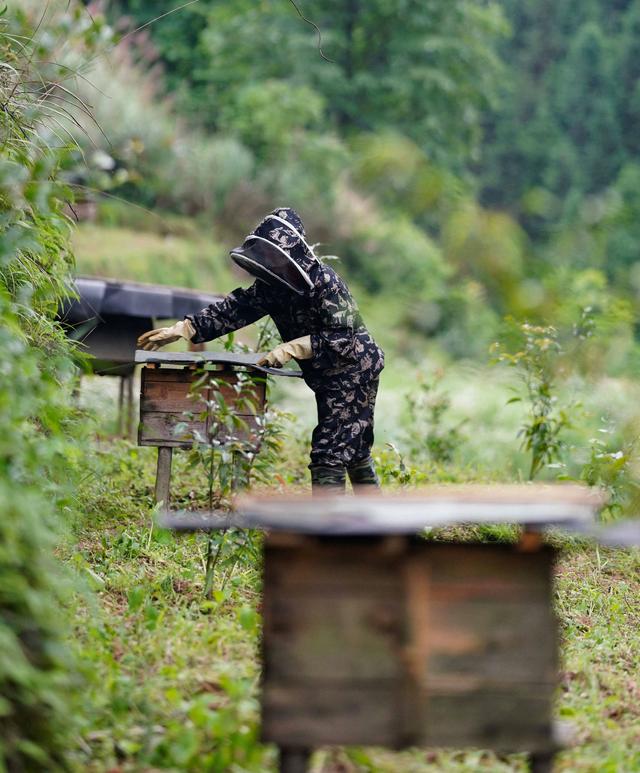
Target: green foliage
<point>490,248</point>
<point>389,253</point>
<point>373,146</point>
<point>612,467</point>
<point>368,146</point>
<point>267,116</point>
<point>585,98</point>
<point>404,179</point>
<point>535,360</point>
<point>392,468</point>
<point>561,147</point>
<point>160,162</point>
<point>621,226</point>
<point>556,431</point>
<point>426,69</point>
<point>40,432</point>
<point>137,149</point>
<point>431,434</point>
<point>175,678</point>
<point>171,676</point>
<point>230,454</point>
<point>36,464</point>
<point>363,145</point>
<point>201,173</point>
<point>152,249</point>
<point>596,589</point>
<point>565,124</point>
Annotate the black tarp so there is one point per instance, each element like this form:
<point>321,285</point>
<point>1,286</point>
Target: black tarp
<point>111,297</point>
<point>109,314</point>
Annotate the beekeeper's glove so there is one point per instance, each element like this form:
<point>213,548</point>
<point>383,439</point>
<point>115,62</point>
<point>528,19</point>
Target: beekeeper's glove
<point>300,348</point>
<point>162,336</point>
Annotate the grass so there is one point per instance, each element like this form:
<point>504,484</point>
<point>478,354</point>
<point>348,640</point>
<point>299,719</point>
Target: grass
<point>177,257</point>
<point>597,602</point>
<point>173,679</point>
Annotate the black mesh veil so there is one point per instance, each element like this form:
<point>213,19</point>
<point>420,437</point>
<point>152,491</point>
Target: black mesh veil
<point>269,254</point>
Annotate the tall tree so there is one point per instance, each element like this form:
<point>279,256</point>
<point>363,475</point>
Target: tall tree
<point>584,96</point>
<point>628,73</point>
<point>562,130</point>
<point>423,67</point>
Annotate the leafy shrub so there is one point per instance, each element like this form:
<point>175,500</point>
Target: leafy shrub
<point>431,433</point>
<point>267,116</point>
<point>139,149</point>
<point>489,247</point>
<point>37,459</point>
<point>612,466</point>
<point>202,171</point>
<point>401,175</point>
<point>310,179</point>
<point>231,454</point>
<point>535,359</point>
<point>386,253</point>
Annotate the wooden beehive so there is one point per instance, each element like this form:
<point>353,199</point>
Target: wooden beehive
<point>180,405</point>
<point>395,641</point>
<point>373,636</point>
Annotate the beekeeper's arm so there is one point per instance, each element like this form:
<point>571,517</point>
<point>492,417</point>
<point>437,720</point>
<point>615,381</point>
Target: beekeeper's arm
<point>236,310</point>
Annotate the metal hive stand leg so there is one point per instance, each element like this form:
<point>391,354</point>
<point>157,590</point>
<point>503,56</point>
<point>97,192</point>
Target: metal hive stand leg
<point>129,420</point>
<point>541,762</point>
<point>294,760</point>
<point>121,419</point>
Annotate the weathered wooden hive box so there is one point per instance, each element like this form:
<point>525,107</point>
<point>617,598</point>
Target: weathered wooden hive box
<point>376,636</point>
<point>396,642</point>
<point>181,404</point>
<point>206,398</point>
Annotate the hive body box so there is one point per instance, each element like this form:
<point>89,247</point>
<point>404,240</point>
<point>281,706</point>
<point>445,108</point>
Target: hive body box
<point>181,402</point>
<point>397,642</point>
<point>374,636</point>
<point>178,405</point>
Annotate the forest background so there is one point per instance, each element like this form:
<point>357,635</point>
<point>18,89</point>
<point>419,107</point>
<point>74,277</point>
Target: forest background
<point>474,168</point>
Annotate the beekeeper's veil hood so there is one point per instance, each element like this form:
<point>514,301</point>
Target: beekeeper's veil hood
<point>277,252</point>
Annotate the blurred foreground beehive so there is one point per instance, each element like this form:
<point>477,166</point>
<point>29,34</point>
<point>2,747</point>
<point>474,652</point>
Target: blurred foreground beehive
<point>374,636</point>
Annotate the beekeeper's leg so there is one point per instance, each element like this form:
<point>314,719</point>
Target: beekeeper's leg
<point>362,470</point>
<point>327,467</point>
<point>344,435</point>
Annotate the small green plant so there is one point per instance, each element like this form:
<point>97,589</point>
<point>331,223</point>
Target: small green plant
<point>535,361</point>
<point>393,468</point>
<point>431,434</point>
<point>611,467</point>
<point>232,450</point>
<point>267,336</point>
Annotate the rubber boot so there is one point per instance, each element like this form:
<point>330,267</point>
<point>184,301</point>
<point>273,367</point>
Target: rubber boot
<point>363,476</point>
<point>327,480</point>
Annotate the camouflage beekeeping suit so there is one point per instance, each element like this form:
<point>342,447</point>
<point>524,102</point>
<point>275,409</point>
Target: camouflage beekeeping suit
<point>345,364</point>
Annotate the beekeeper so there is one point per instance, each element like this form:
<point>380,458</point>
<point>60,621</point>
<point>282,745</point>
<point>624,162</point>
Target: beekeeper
<point>322,330</point>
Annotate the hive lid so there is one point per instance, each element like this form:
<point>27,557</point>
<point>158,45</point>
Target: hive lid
<point>247,359</point>
<point>537,506</point>
<point>98,297</point>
